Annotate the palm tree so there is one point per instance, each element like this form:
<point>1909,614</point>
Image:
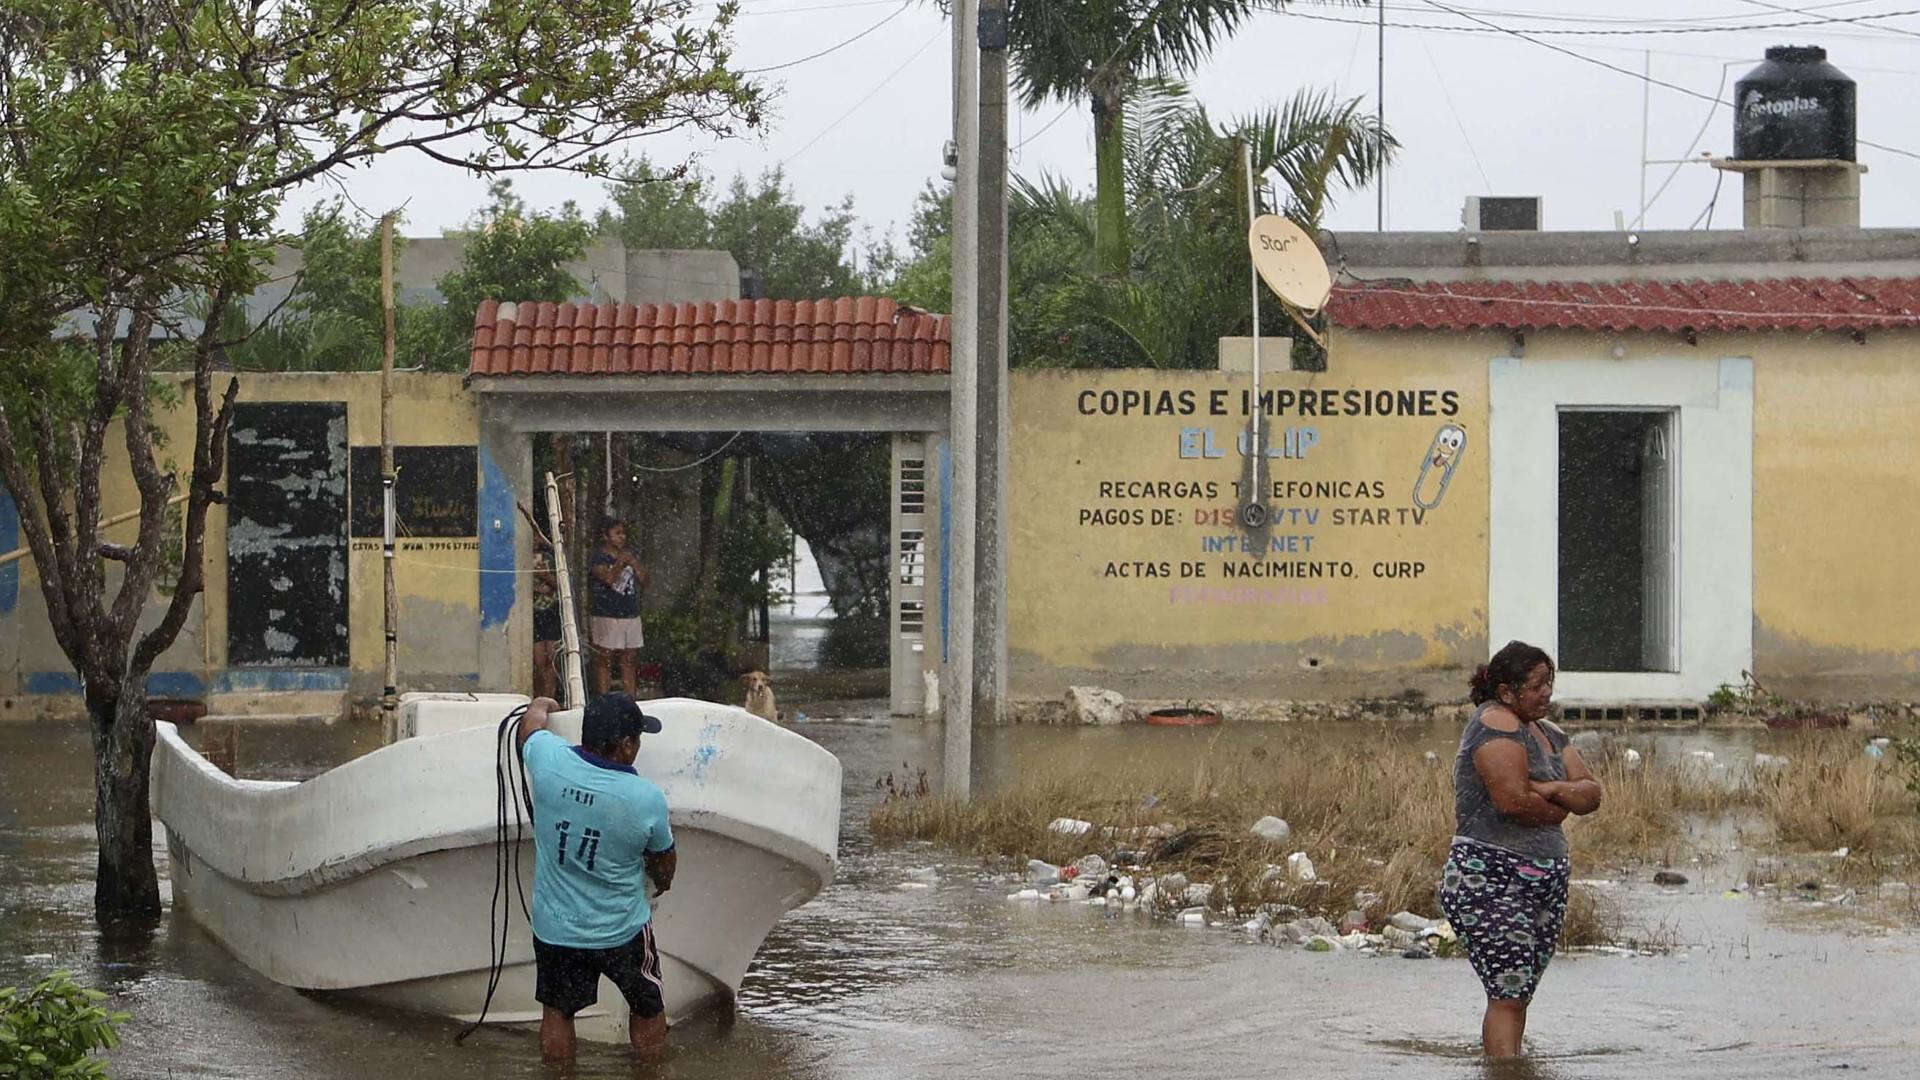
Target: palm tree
<point>1186,207</point>
<point>1097,50</point>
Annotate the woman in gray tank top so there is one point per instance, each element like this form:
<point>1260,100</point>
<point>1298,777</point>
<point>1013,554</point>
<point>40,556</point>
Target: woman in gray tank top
<point>1504,888</point>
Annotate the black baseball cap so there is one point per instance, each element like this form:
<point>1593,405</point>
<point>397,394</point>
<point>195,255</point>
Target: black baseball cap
<point>612,717</point>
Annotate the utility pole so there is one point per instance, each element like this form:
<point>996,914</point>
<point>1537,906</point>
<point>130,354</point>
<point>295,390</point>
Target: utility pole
<point>957,758</point>
<point>990,445</point>
<point>389,699</point>
<point>1379,118</point>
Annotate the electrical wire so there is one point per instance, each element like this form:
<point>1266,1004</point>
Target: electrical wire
<point>881,85</point>
<point>901,10</point>
<point>1712,110</point>
<point>1447,96</point>
<point>506,855</point>
<point>1900,30</point>
<point>1689,91</point>
<point>1044,128</point>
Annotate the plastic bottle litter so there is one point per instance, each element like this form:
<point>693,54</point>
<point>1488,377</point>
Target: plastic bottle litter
<point>1631,757</point>
<point>1025,894</point>
<point>1070,826</point>
<point>1300,868</point>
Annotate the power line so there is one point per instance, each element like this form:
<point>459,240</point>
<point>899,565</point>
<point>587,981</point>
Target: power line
<point>1043,130</point>
<point>1644,31</point>
<point>901,10</point>
<point>1901,30</point>
<point>881,85</point>
<point>1689,91</point>
<point>1295,13</point>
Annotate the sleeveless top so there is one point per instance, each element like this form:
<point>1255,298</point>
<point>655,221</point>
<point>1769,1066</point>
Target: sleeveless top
<point>1475,816</point>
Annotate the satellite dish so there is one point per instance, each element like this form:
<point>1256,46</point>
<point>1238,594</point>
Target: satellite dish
<point>1289,262</point>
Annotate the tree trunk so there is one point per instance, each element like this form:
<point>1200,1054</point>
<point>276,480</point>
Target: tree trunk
<point>126,886</point>
<point>1112,251</point>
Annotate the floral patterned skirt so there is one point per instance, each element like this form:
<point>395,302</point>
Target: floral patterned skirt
<point>1507,910</point>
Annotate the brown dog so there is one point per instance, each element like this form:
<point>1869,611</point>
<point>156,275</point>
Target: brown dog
<point>760,696</point>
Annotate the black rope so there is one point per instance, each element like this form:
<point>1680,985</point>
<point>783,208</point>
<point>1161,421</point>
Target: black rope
<point>506,856</point>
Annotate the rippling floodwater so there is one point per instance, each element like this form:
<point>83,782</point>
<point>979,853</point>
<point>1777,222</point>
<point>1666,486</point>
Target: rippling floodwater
<point>870,980</point>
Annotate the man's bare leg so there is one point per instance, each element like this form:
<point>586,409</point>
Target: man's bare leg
<point>629,661</point>
<point>648,1035</point>
<point>556,1034</point>
<point>602,670</point>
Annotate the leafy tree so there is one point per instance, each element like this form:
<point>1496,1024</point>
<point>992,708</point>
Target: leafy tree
<point>760,222</point>
<point>1187,208</point>
<point>510,254</point>
<point>145,149</point>
<point>1098,51</point>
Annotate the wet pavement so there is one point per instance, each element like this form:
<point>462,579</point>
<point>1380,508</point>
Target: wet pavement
<point>871,980</point>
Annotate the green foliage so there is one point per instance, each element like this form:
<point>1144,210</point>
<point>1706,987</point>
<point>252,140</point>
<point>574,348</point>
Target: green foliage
<point>1099,51</point>
<point>512,254</point>
<point>52,1029</point>
<point>760,222</point>
<point>1188,284</point>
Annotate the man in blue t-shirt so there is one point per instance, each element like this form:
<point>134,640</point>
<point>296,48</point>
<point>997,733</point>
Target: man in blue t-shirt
<point>600,833</point>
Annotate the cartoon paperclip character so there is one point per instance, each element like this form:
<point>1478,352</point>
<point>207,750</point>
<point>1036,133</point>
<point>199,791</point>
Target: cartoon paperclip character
<point>1449,444</point>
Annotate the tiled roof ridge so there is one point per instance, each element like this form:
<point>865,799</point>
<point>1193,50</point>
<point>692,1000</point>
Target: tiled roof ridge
<point>834,335</point>
<point>1844,303</point>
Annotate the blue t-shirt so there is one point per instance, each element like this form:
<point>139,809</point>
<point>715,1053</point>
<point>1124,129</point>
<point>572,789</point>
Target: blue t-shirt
<point>621,600</point>
<point>594,823</point>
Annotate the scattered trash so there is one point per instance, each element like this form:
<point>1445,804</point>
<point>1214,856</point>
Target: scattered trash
<point>1300,868</point>
<point>1272,829</point>
<point>1069,826</point>
<point>1433,758</point>
<point>1417,952</point>
<point>1322,943</point>
<point>1353,921</point>
<point>1172,884</point>
<point>1198,895</point>
<point>1407,920</point>
<point>1876,750</point>
<point>1630,757</point>
<point>1842,852</point>
<point>913,886</point>
<point>1025,894</point>
<point>1091,865</point>
<point>1078,891</point>
<point>1669,877</point>
<point>1193,916</point>
<point>928,874</point>
<point>1770,761</point>
<point>1042,873</point>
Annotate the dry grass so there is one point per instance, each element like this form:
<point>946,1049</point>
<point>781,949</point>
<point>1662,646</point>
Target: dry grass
<point>1379,820</point>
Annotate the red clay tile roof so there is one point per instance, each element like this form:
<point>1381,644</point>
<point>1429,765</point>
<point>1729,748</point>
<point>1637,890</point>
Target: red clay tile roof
<point>1844,304</point>
<point>850,335</point>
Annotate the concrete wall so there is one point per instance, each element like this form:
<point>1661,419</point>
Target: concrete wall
<point>1127,567</point>
<point>442,606</point>
<point>1800,547</point>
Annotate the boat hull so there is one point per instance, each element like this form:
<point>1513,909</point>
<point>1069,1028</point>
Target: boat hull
<point>399,907</point>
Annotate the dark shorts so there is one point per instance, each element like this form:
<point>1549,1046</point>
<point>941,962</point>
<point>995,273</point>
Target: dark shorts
<point>1507,910</point>
<point>546,624</point>
<point>569,979</point>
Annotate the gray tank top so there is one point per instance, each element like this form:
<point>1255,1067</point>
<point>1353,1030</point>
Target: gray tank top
<point>1475,816</point>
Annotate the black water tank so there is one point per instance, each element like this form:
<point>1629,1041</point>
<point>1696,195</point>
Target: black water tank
<point>1793,107</point>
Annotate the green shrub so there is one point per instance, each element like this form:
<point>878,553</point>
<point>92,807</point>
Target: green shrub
<point>52,1030</point>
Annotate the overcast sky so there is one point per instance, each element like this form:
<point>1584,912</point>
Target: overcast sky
<point>1478,110</point>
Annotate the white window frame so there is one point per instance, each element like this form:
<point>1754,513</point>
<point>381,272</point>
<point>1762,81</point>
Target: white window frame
<point>1713,429</point>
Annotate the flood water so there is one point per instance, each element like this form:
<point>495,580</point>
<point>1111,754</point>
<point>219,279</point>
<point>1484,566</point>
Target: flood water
<point>870,980</point>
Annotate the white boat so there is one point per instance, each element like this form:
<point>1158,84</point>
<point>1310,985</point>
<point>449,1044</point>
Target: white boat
<point>376,878</point>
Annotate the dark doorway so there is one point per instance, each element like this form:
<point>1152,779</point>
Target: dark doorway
<point>1617,541</point>
<point>287,535</point>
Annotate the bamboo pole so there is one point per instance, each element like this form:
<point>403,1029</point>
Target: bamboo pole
<point>389,698</point>
<point>118,519</point>
<point>576,690</point>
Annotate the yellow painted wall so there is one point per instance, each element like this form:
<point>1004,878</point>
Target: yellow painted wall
<point>437,580</point>
<point>1129,585</point>
<point>1836,517</point>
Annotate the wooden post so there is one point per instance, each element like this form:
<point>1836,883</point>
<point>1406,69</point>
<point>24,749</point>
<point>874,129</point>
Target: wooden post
<point>389,697</point>
<point>573,683</point>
